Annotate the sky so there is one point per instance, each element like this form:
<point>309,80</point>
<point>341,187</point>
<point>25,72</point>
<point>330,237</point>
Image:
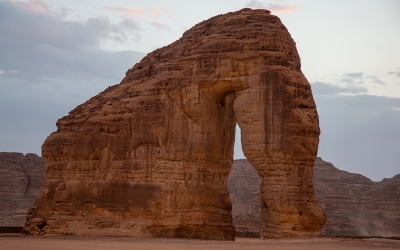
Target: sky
<point>54,55</point>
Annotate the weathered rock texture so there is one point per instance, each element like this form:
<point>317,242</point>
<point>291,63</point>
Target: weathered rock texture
<point>353,204</point>
<point>151,156</point>
<point>21,180</point>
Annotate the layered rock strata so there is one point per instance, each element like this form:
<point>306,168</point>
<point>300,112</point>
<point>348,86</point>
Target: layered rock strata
<point>150,157</point>
<point>21,180</point>
<point>353,204</point>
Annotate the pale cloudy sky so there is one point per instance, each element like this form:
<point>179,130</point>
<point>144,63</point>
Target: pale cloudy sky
<point>56,54</point>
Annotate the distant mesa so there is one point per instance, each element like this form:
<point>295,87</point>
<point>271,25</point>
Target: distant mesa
<point>150,157</point>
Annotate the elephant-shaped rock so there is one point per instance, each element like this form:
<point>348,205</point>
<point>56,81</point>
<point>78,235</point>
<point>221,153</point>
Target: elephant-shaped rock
<point>150,157</point>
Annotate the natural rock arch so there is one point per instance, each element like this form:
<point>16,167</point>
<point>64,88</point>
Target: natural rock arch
<point>150,157</point>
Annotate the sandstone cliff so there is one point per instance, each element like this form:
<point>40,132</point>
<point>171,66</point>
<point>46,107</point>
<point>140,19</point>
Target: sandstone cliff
<point>150,157</point>
<point>21,180</point>
<point>353,204</point>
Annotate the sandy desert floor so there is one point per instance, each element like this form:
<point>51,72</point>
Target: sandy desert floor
<point>71,242</point>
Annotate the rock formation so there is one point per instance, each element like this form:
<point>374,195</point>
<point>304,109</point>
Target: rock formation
<point>353,204</point>
<point>150,157</point>
<point>21,180</point>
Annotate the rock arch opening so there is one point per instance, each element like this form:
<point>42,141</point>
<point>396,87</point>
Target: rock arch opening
<point>237,150</point>
<point>150,157</point>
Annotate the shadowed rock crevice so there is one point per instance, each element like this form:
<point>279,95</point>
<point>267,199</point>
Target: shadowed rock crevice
<point>150,157</point>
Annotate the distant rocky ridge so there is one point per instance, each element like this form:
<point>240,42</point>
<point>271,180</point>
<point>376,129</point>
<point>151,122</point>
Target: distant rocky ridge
<point>244,189</point>
<point>353,204</point>
<point>21,181</point>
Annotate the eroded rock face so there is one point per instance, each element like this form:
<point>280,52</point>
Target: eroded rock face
<point>21,180</point>
<point>150,157</point>
<point>355,205</point>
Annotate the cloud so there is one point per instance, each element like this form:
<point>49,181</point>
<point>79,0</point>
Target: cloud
<point>350,83</point>
<point>375,80</point>
<point>351,78</point>
<point>160,26</point>
<point>282,9</point>
<point>361,78</point>
<point>125,11</point>
<point>255,4</point>
<point>38,43</point>
<point>321,88</point>
<point>33,22</point>
<point>274,8</point>
<point>9,72</point>
<point>63,11</point>
<point>395,73</point>
<point>154,12</point>
<point>131,13</point>
<point>130,24</point>
<point>354,75</point>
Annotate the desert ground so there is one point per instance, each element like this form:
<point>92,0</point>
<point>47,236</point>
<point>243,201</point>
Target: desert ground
<point>16,242</point>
